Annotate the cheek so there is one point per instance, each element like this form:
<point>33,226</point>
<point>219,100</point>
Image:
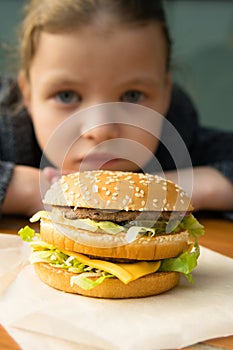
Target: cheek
<point>43,130</point>
<point>149,141</point>
<point>45,123</point>
<point>144,138</point>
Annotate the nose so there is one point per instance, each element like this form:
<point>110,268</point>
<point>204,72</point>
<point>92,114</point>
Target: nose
<point>99,126</point>
<point>102,133</point>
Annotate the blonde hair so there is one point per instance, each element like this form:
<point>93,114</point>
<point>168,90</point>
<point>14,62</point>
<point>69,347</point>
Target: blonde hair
<point>54,16</point>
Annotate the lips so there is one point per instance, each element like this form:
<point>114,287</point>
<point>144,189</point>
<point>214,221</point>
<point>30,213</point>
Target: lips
<point>98,161</point>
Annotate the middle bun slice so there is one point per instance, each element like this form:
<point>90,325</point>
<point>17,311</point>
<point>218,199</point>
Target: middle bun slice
<point>113,246</point>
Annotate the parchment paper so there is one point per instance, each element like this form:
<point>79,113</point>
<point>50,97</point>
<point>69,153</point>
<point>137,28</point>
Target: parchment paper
<point>34,313</point>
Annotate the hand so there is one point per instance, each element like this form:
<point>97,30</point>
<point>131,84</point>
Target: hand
<point>52,174</point>
<point>210,189</point>
<point>25,192</point>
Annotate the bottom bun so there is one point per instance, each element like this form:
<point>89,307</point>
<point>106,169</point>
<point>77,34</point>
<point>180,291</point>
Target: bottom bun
<point>111,288</point>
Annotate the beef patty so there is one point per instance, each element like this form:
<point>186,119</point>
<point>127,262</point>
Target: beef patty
<point>115,216</point>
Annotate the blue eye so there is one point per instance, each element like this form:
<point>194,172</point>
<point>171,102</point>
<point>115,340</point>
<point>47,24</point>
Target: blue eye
<point>67,97</point>
<point>132,96</point>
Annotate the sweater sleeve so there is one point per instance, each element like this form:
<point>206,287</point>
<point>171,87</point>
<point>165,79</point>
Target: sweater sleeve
<point>206,146</point>
<point>6,171</point>
<point>214,148</point>
<point>6,142</point>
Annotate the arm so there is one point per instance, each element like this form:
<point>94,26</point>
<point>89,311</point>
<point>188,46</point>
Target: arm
<point>23,194</point>
<point>211,190</point>
<point>19,184</point>
<point>211,153</point>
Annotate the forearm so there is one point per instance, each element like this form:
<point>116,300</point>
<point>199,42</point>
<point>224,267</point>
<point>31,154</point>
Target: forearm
<point>210,191</point>
<point>23,195</point>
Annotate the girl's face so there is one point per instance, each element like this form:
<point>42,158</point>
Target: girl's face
<point>93,65</point>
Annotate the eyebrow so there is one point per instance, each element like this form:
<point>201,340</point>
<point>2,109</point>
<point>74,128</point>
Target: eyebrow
<point>61,79</point>
<point>142,81</point>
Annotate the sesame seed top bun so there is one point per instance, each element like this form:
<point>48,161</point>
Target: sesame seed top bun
<point>117,190</point>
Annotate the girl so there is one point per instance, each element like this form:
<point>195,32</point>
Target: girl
<point>76,54</point>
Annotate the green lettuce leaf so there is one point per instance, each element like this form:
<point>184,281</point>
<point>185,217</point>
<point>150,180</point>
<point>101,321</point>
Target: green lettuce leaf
<point>191,224</point>
<point>86,283</point>
<point>41,256</point>
<point>110,227</point>
<point>27,233</point>
<point>184,263</point>
<point>195,229</point>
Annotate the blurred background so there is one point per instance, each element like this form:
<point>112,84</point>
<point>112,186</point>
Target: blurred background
<point>202,33</point>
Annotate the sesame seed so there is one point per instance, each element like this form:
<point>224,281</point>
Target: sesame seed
<point>88,175</point>
<point>107,193</point>
<point>104,188</point>
<point>95,188</point>
<point>65,187</point>
<point>138,195</point>
<point>137,189</point>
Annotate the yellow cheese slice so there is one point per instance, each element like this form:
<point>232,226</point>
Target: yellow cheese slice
<point>125,272</point>
<point>140,268</point>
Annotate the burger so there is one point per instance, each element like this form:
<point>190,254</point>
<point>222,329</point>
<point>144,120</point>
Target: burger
<point>114,234</point>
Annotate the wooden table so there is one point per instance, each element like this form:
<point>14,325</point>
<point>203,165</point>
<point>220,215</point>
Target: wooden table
<point>218,237</point>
